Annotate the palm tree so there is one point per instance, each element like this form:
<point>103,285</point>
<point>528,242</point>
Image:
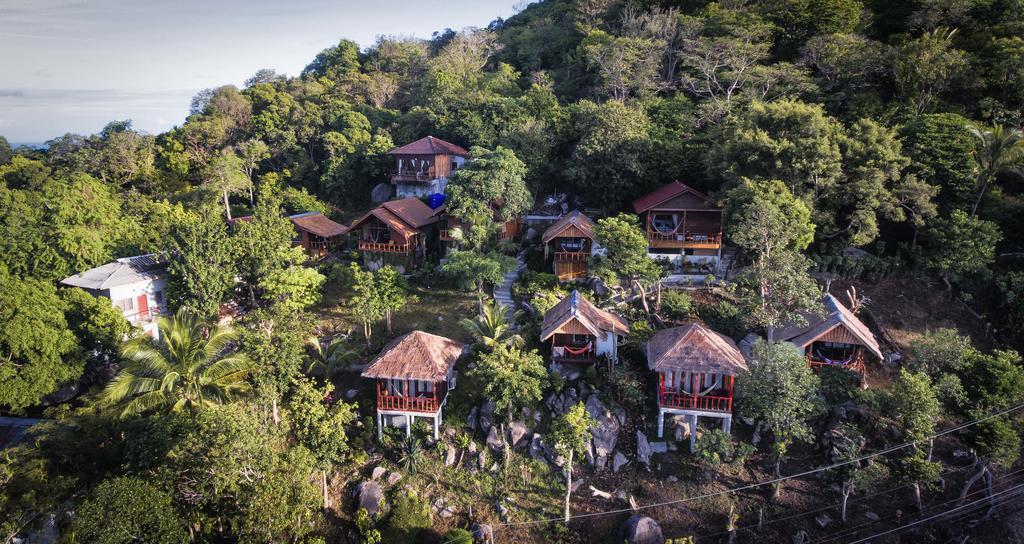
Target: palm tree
<point>491,328</point>
<point>997,150</point>
<point>184,370</point>
<point>332,356</point>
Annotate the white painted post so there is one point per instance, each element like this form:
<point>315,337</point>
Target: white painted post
<point>661,422</point>
<point>693,432</point>
<point>380,426</point>
<point>726,424</point>
<point>408,425</point>
<point>437,423</point>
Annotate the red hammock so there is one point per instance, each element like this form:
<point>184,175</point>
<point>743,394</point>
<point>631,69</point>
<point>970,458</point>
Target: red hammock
<point>578,351</point>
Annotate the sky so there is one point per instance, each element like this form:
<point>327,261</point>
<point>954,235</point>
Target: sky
<point>75,65</point>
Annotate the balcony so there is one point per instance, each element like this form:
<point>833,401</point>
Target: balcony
<point>688,240</point>
<point>571,256</point>
<point>569,353</point>
<point>854,365</point>
<point>704,403</point>
<point>413,176</point>
<point>399,403</point>
<point>384,247</point>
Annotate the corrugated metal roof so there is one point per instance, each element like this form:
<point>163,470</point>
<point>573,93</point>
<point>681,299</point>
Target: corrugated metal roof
<point>124,271</point>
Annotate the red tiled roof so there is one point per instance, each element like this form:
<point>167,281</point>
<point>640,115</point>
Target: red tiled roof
<point>316,223</point>
<point>663,193</point>
<point>430,146</point>
<point>404,216</point>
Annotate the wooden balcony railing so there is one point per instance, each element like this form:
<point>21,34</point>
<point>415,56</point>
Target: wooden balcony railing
<point>413,175</point>
<point>571,256</point>
<point>384,247</point>
<point>685,401</point>
<point>572,354</point>
<point>688,240</point>
<point>401,403</point>
<point>857,365</point>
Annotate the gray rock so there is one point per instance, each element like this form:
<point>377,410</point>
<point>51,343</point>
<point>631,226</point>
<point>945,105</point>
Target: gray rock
<point>486,415</point>
<point>672,479</point>
<point>801,537</point>
<point>494,468</point>
<point>619,461</point>
<point>530,234</point>
<point>482,533</point>
<point>643,449</point>
<point>369,495</point>
<point>398,421</point>
<point>351,394</point>
<point>823,520</point>
<point>659,447</point>
<point>872,516</point>
<point>598,286</point>
<point>442,508</point>
<point>472,447</point>
<point>494,440</point>
<point>481,460</point>
<point>394,477</point>
<point>608,422</point>
<point>503,511</point>
<point>536,447</point>
<point>471,419</point>
<point>377,473</point>
<point>680,428</point>
<point>517,433</point>
<point>576,484</point>
<point>382,192</point>
<point>450,455</point>
<point>641,530</point>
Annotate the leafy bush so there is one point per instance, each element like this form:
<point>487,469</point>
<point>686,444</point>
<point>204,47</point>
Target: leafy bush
<point>128,509</point>
<point>714,447</point>
<point>639,332</point>
<point>409,516</point>
<point>676,305</point>
<point>941,350</point>
<point>627,387</point>
<point>722,316</point>
<point>838,384</point>
<point>458,536</point>
<point>531,282</point>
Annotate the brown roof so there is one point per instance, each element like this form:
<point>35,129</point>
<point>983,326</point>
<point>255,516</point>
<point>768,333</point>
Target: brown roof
<point>404,216</point>
<point>574,306</point>
<point>836,315</point>
<point>430,146</point>
<point>663,193</point>
<point>316,223</point>
<point>415,356</point>
<point>574,218</point>
<point>694,348</point>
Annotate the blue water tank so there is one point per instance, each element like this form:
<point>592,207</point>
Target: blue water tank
<point>435,200</point>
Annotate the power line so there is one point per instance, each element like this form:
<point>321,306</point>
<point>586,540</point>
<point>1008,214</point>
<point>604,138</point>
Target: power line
<point>774,480</point>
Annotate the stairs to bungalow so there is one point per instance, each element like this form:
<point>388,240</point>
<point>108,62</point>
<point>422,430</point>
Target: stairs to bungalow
<point>503,292</point>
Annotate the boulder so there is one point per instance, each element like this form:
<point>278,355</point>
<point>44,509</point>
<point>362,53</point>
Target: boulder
<point>442,508</point>
<point>680,428</point>
<point>471,419</point>
<point>823,520</point>
<point>608,422</point>
<point>394,477</point>
<point>659,447</point>
<point>398,421</point>
<point>643,449</point>
<point>494,440</point>
<point>382,192</point>
<point>481,460</point>
<point>482,533</point>
<point>351,394</point>
<point>598,286</point>
<point>641,530</point>
<point>517,433</point>
<point>530,234</point>
<point>486,415</point>
<point>503,511</point>
<point>450,455</point>
<point>377,472</point>
<point>536,447</point>
<point>619,461</point>
<point>369,495</point>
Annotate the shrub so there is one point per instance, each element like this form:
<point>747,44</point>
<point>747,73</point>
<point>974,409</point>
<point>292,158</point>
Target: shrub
<point>722,316</point>
<point>409,516</point>
<point>639,332</point>
<point>838,384</point>
<point>627,386</point>
<point>128,509</point>
<point>458,536</point>
<point>714,447</point>
<point>676,305</point>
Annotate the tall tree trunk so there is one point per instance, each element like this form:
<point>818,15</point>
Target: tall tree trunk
<point>480,297</point>
<point>847,489</point>
<point>730,525</point>
<point>568,484</point>
<point>777,492</point>
<point>275,414</point>
<point>227,207</point>
<point>983,185</point>
<point>917,498</point>
<point>323,481</point>
<point>971,481</point>
<point>387,320</point>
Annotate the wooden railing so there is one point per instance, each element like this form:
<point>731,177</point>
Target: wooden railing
<point>586,357</point>
<point>689,239</point>
<point>685,401</point>
<point>384,247</point>
<point>571,256</point>
<point>409,404</point>
<point>857,365</point>
<point>413,175</point>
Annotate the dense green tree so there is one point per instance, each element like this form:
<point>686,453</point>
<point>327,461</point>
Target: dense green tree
<point>779,394</point>
<point>571,434</point>
<point>514,379</point>
<point>274,340</point>
<point>35,342</point>
<point>319,422</point>
<point>129,509</point>
<point>225,174</point>
<point>492,328</point>
<point>187,369</point>
<point>201,265</point>
<point>84,220</point>
<point>491,178</point>
<point>961,245</point>
<point>626,66</point>
<point>99,326</point>
<point>799,20</point>
<point>19,172</point>
<point>925,67</point>
<point>608,159</point>
<point>625,258</point>
<point>940,147</point>
<point>998,149</point>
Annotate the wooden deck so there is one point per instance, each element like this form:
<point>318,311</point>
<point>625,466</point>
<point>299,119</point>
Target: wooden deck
<point>385,247</point>
<point>684,241</point>
<point>399,403</point>
<point>706,403</point>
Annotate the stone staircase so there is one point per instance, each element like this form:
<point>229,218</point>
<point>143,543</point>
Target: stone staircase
<point>503,292</point>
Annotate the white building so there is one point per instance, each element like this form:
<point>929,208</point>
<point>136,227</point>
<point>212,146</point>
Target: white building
<point>135,285</point>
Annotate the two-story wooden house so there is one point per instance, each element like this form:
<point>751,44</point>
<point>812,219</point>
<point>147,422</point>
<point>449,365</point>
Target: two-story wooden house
<point>835,337</point>
<point>683,226</point>
<point>570,242</point>
<point>422,167</point>
<point>581,332</point>
<point>317,234</point>
<point>134,285</point>
<point>398,232</point>
<point>696,369</point>
<point>414,373</point>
